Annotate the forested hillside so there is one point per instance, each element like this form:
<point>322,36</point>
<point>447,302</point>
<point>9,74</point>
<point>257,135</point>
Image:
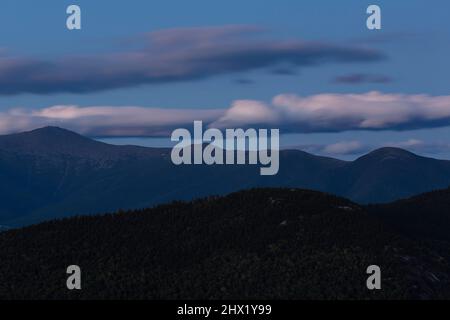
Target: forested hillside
<point>426,216</point>
<point>262,243</point>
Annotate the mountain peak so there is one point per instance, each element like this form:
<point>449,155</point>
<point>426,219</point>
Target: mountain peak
<point>48,139</point>
<point>52,130</point>
<point>391,150</point>
<point>386,153</point>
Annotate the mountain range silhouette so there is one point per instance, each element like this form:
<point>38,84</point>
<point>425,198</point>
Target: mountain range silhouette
<point>53,173</point>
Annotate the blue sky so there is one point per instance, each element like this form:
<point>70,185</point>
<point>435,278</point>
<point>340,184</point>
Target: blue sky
<point>413,48</point>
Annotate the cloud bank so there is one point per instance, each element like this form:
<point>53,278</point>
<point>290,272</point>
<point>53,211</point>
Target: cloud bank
<point>288,112</point>
<point>169,56</point>
<point>341,112</point>
<point>106,121</point>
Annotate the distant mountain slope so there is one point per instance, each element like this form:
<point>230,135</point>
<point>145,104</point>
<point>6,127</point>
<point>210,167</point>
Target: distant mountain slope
<point>56,141</point>
<point>46,167</point>
<point>52,172</point>
<point>389,174</point>
<point>265,243</point>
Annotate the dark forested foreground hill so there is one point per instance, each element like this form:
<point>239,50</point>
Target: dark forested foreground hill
<point>262,243</point>
<point>425,216</point>
<point>52,173</point>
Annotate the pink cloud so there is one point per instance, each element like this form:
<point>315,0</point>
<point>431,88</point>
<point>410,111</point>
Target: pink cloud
<point>290,113</point>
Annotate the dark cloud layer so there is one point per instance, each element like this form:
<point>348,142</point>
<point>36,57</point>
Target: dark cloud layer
<point>169,56</point>
<point>361,78</point>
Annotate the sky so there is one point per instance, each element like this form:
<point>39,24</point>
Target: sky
<point>139,69</point>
